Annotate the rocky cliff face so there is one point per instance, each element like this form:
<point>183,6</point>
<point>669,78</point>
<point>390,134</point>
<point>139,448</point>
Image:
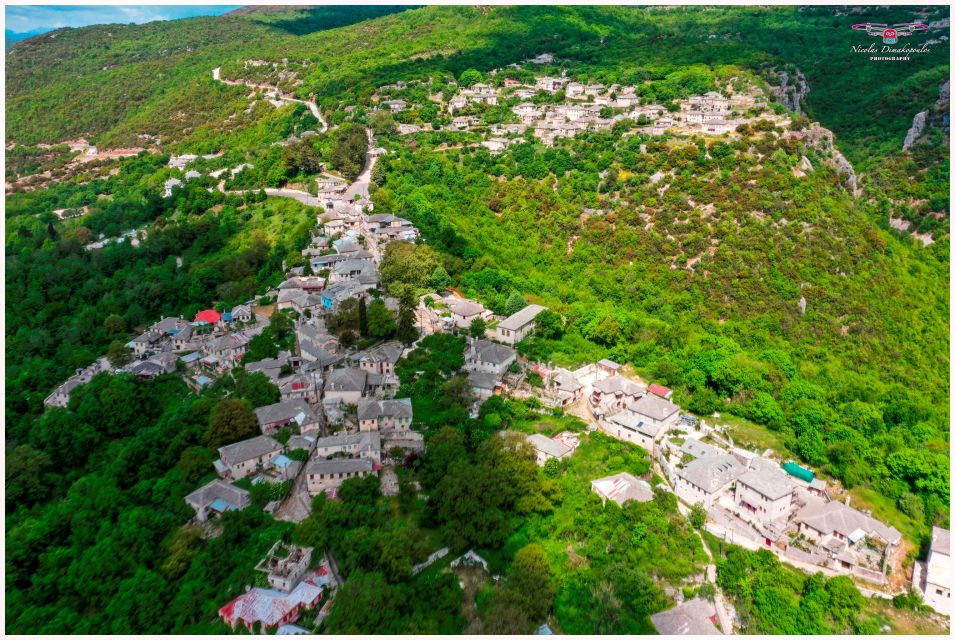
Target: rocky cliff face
<point>936,116</point>
<point>822,140</point>
<point>918,126</point>
<point>791,90</point>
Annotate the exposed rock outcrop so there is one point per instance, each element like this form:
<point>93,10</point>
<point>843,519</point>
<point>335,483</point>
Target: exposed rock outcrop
<point>821,139</point>
<point>918,126</point>
<point>791,90</point>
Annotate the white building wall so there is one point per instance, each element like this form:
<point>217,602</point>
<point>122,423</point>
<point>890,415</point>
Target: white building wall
<point>766,510</point>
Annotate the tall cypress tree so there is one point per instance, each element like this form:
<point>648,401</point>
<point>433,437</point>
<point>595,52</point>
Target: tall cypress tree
<point>362,318</point>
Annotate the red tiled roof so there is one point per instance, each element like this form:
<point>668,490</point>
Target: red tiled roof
<point>208,315</point>
<point>659,390</point>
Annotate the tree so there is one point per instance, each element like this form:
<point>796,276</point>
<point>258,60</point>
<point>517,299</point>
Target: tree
<point>383,123</point>
<point>194,463</point>
<point>446,447</point>
<point>456,392</point>
<point>366,603</point>
<point>515,302</point>
<point>232,420</point>
<point>395,547</point>
<point>440,278</point>
<point>549,325</point>
<point>381,321</point>
<point>83,235</point>
<point>408,263</point>
<point>469,504</point>
<point>26,476</point>
<point>256,388</point>
<point>349,147</point>
<point>529,580</point>
<point>407,332</point>
<point>478,328</point>
<point>301,156</point>
<point>114,324</point>
<point>470,77</point>
<point>698,515</point>
<point>119,354</point>
<point>362,317</point>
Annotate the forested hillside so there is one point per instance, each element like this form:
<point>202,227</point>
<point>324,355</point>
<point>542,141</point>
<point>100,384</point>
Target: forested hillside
<point>743,271</point>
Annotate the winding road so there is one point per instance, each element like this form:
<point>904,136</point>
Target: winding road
<point>313,107</point>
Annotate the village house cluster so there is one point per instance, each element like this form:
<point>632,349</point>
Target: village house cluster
<point>581,107</point>
<point>299,581</point>
<point>756,501</point>
<point>338,416</point>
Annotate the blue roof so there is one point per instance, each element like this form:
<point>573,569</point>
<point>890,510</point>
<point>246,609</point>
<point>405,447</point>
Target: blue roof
<point>544,630</point>
<point>203,380</point>
<point>281,461</point>
<point>227,316</point>
<point>221,505</point>
<point>191,357</point>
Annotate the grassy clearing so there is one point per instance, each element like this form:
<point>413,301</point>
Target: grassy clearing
<point>905,622</point>
<point>750,435</point>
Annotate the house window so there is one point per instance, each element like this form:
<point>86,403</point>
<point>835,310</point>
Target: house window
<point>938,591</point>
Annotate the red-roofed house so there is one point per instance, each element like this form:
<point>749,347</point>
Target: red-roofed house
<point>208,315</point>
<point>271,607</point>
<point>660,390</point>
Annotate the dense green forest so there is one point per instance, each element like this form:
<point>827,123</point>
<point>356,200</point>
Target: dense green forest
<point>709,265</point>
<point>856,387</point>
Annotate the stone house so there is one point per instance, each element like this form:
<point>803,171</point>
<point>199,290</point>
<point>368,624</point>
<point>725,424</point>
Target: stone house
<point>322,475</point>
<point>216,498</point>
<point>520,325</point>
<point>244,458</point>
<point>384,415</point>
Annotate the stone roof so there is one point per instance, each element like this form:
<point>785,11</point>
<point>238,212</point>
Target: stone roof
<point>265,364</point>
<point>521,318</point>
<point>829,517</point>
<point>698,449</point>
<point>566,381</point>
<point>547,445</point>
<point>634,421</point>
<point>363,441</point>
<point>166,324</point>
<point>295,409</point>
<point>691,618</point>
<point>465,307</point>
<point>388,352</point>
<point>712,473</point>
<point>346,379</point>
<point>619,384</point>
<point>301,442</point>
<point>487,351</point>
<point>654,407</point>
<point>481,380</point>
<point>235,453</point>
<point>941,541</point>
<point>219,490</point>
<point>229,341</point>
<point>369,409</point>
<point>768,479</point>
<point>623,487</point>
<point>340,465</point>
